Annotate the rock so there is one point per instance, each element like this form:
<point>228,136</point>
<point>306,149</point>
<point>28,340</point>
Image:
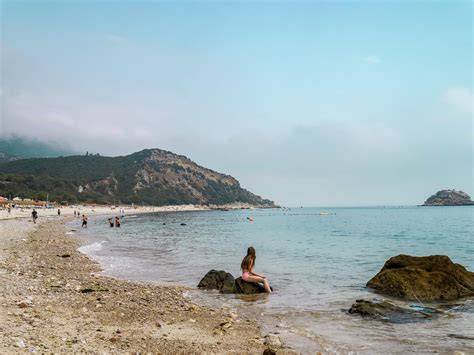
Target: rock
<point>269,351</point>
<point>225,283</point>
<point>429,278</point>
<point>218,280</point>
<point>387,311</point>
<point>20,343</point>
<point>242,286</point>
<point>272,340</point>
<point>449,198</point>
<point>225,325</point>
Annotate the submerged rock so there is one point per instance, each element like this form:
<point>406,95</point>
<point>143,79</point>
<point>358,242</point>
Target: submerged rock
<point>218,280</point>
<point>387,311</point>
<point>430,278</point>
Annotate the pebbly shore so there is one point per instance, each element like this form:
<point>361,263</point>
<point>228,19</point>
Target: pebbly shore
<point>54,301</point>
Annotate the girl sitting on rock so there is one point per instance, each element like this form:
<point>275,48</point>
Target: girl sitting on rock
<point>248,274</point>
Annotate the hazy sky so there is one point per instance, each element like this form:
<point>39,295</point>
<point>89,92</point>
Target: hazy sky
<point>307,103</point>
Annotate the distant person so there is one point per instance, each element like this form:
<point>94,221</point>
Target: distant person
<point>59,212</point>
<point>9,210</point>
<point>111,223</point>
<point>75,213</point>
<point>248,274</point>
<point>84,221</point>
<point>117,222</point>
<point>34,215</point>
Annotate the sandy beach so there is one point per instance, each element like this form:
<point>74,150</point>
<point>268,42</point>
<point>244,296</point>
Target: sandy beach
<point>53,301</point>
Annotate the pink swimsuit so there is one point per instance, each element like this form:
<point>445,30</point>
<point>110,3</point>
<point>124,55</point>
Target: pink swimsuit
<point>245,275</point>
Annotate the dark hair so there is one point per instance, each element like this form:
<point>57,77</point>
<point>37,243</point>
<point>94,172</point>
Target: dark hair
<point>249,260</point>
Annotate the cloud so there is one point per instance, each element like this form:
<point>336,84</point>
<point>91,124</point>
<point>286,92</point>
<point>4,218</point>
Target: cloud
<point>460,98</point>
<point>372,59</point>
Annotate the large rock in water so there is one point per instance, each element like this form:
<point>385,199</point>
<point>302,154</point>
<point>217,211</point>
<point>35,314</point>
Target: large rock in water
<point>429,278</point>
<point>224,282</point>
<point>218,280</point>
<point>242,286</point>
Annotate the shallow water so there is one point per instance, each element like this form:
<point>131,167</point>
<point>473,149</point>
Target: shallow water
<point>318,264</point>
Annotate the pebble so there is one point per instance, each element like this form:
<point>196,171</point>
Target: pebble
<point>272,340</point>
<point>20,343</point>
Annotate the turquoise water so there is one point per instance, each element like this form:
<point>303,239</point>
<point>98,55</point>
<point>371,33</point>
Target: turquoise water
<point>317,259</point>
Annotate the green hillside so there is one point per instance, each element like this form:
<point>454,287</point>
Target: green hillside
<point>151,176</point>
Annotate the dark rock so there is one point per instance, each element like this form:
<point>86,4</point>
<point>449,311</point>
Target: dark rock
<point>183,224</point>
<point>65,255</point>
<point>449,198</point>
<point>387,311</point>
<point>225,283</point>
<point>242,286</point>
<point>269,351</point>
<point>97,288</point>
<point>430,278</point>
<point>218,280</point>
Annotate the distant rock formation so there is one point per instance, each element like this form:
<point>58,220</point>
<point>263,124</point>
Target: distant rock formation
<point>449,198</point>
<point>430,278</point>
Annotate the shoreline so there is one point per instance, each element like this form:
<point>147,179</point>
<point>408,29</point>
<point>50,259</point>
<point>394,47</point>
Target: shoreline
<point>98,210</point>
<point>54,301</point>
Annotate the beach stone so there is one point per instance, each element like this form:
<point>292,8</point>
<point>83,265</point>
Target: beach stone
<point>242,286</point>
<point>429,278</point>
<point>20,343</point>
<point>272,340</point>
<point>217,280</point>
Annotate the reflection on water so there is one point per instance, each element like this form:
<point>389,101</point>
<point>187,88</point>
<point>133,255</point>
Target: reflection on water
<point>317,260</point>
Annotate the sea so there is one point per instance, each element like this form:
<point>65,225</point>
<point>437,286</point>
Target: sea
<point>318,260</point>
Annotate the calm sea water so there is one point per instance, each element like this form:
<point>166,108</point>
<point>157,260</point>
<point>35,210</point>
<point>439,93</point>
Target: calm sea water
<point>318,264</point>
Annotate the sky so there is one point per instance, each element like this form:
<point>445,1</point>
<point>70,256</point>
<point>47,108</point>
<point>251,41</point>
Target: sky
<point>312,103</point>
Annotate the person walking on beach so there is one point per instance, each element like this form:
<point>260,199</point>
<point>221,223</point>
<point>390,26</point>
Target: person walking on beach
<point>111,223</point>
<point>84,221</point>
<point>75,213</point>
<point>248,274</point>
<point>117,222</point>
<point>34,215</point>
<point>59,212</point>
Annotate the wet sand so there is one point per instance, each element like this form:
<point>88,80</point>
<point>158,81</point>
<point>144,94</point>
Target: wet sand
<point>54,301</point>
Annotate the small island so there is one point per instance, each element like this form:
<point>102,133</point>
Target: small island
<point>449,198</point>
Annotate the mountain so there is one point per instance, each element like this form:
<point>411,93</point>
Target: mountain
<point>14,148</point>
<point>151,176</point>
<point>449,198</point>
